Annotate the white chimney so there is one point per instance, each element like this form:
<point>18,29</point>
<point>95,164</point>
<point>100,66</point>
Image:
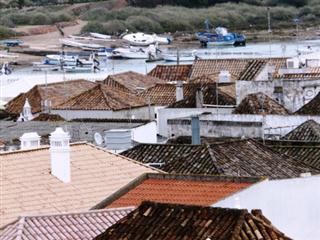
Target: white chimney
<point>30,140</point>
<point>224,77</point>
<point>179,91</point>
<point>60,155</point>
<point>26,114</point>
<point>199,98</point>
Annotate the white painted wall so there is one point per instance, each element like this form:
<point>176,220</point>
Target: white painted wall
<point>146,133</point>
<point>292,205</point>
<point>169,113</point>
<point>272,124</point>
<point>296,93</point>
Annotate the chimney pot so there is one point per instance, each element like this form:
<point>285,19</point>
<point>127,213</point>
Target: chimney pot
<point>179,91</point>
<point>30,140</point>
<point>60,155</point>
<point>199,98</point>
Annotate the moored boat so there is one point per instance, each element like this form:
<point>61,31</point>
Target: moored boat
<point>221,37</point>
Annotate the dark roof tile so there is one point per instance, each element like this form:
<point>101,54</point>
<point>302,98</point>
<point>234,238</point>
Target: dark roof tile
<point>259,103</point>
<point>171,73</point>
<point>167,221</point>
<point>237,158</point>
<point>311,108</point>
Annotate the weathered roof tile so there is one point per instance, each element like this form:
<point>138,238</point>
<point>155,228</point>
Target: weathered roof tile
<point>57,93</point>
<point>27,187</point>
<point>168,221</point>
<point>103,97</point>
<point>71,226</point>
<point>236,158</point>
<point>259,103</point>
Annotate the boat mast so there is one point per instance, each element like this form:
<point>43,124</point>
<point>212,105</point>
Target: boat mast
<point>269,31</point>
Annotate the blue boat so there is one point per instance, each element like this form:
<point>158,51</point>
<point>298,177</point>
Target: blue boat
<point>11,42</point>
<point>221,37</point>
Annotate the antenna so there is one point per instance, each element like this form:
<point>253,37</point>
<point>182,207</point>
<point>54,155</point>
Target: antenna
<point>98,139</point>
<point>269,30</point>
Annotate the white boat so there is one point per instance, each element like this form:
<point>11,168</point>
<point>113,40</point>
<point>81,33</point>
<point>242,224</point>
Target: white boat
<point>78,69</point>
<point>39,66</point>
<point>136,52</point>
<point>184,57</point>
<point>100,36</point>
<point>86,46</point>
<point>142,39</point>
<point>6,54</point>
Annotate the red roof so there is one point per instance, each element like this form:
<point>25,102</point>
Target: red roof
<point>179,189</point>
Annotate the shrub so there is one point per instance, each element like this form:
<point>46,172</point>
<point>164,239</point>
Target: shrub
<point>93,27</point>
<point>142,23</point>
<point>6,32</point>
<point>40,19</point>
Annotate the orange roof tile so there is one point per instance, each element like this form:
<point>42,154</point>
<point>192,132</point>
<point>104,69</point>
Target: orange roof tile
<point>182,189</point>
<point>27,187</point>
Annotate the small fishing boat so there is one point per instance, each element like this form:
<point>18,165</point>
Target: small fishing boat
<point>6,54</point>
<point>11,42</point>
<point>78,69</point>
<point>183,57</point>
<point>84,46</point>
<point>136,53</point>
<point>142,39</point>
<point>39,66</point>
<point>221,37</point>
<point>100,36</point>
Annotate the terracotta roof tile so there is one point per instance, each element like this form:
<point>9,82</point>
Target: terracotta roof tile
<point>237,158</point>
<point>311,108</point>
<point>300,76</point>
<point>181,189</point>
<point>131,81</point>
<point>211,96</point>
<point>71,226</point>
<point>171,72</point>
<point>27,187</point>
<point>165,94</point>
<point>103,97</point>
<point>56,92</point>
<point>259,103</point>
<point>168,221</point>
<point>240,69</point>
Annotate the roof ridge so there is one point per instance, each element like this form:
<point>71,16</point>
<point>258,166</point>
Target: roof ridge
<point>125,158</point>
<point>20,227</point>
<point>90,211</point>
<point>39,148</point>
<point>106,98</point>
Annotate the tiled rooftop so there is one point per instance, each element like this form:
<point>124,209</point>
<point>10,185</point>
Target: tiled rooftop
<point>48,117</point>
<point>181,189</point>
<point>211,96</point>
<point>171,73</point>
<point>311,108</point>
<point>307,131</point>
<point>168,221</point>
<point>56,92</point>
<point>165,94</point>
<point>27,187</point>
<point>300,76</point>
<point>132,81</point>
<point>103,97</point>
<point>307,154</point>
<point>241,69</point>
<point>71,226</point>
<point>259,103</point>
<point>237,158</point>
